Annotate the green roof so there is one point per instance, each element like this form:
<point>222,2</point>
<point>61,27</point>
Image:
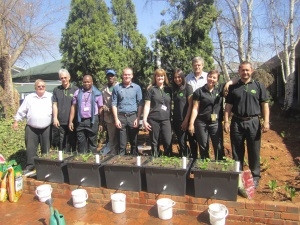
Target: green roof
<point>29,87</point>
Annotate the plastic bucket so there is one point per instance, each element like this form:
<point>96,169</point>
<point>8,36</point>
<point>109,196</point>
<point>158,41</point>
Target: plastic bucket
<point>165,208</point>
<point>43,192</point>
<point>79,197</point>
<point>118,202</point>
<point>217,213</point>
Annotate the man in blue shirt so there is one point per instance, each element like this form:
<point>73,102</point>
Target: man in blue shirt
<point>127,109</point>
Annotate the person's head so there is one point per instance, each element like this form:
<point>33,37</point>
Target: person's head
<point>160,77</point>
<point>197,64</point>
<point>213,77</point>
<point>87,82</point>
<point>179,78</point>
<point>64,77</point>
<point>40,87</point>
<point>127,76</point>
<point>245,71</point>
<point>110,76</point>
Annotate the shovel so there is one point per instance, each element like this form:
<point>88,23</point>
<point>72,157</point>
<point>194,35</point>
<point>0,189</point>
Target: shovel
<point>55,217</point>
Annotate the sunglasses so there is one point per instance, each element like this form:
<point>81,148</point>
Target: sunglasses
<point>41,86</point>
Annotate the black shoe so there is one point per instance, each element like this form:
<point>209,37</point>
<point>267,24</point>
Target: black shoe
<point>29,171</point>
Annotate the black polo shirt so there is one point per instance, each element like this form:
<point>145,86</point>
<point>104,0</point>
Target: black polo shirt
<point>63,97</point>
<point>209,102</point>
<point>180,99</point>
<point>159,97</point>
<point>246,98</point>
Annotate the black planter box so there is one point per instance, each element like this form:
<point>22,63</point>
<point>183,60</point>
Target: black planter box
<point>51,170</point>
<point>166,180</point>
<point>123,176</point>
<point>86,174</point>
<point>216,184</point>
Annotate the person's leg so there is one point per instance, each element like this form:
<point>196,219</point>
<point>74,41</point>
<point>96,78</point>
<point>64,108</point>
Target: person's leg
<point>181,137</point>
<point>113,138</point>
<point>62,137</point>
<point>154,136</point>
<point>253,139</point>
<point>193,143</point>
<point>92,134</point>
<point>166,133</point>
<point>201,132</point>
<point>44,135</point>
<point>133,133</point>
<point>71,140</point>
<point>237,139</point>
<point>216,135</point>
<point>31,142</point>
<point>81,137</point>
<point>123,135</point>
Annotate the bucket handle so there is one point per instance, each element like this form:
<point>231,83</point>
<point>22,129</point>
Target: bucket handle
<point>226,213</point>
<point>173,203</point>
<point>36,192</point>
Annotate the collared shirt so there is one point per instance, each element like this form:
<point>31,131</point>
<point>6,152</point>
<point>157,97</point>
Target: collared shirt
<point>160,102</point>
<point>191,80</point>
<point>107,98</point>
<point>209,102</point>
<point>127,99</point>
<point>37,110</point>
<point>63,97</point>
<point>86,103</point>
<point>246,98</point>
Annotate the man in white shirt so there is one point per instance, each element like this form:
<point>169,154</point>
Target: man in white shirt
<point>196,79</point>
<point>37,109</point>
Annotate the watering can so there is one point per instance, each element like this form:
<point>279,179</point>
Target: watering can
<point>55,217</point>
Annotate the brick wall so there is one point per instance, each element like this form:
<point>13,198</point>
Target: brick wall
<point>248,211</point>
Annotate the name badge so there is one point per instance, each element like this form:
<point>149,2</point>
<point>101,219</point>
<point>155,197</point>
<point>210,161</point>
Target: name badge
<point>86,109</point>
<point>214,117</point>
<point>163,107</point>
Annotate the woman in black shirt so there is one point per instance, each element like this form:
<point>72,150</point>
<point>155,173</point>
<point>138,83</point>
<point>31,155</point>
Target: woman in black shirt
<point>157,112</point>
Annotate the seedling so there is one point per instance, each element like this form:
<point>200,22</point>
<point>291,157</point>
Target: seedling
<point>290,191</point>
<point>273,186</point>
<point>264,164</point>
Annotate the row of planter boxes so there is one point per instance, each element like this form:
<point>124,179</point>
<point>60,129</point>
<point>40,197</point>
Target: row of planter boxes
<point>122,173</point>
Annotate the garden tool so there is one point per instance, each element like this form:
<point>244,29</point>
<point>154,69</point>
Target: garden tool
<point>55,217</point>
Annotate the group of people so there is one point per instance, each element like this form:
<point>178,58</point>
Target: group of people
<point>192,107</point>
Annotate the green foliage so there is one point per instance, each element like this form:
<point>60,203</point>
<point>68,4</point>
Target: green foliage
<point>291,191</point>
<point>165,161</point>
<point>227,164</point>
<point>12,142</point>
<point>273,186</point>
<point>89,43</point>
<point>187,36</point>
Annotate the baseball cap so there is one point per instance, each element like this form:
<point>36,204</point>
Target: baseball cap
<point>110,72</point>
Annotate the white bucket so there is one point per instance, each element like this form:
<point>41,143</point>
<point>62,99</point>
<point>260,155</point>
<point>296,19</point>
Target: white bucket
<point>79,197</point>
<point>118,202</point>
<point>165,208</point>
<point>217,213</point>
<point>43,192</point>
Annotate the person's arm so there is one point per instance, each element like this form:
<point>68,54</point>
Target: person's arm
<point>227,112</point>
<point>21,114</point>
<point>55,113</point>
<point>266,115</point>
<point>193,117</point>
<point>185,123</point>
<point>147,126</point>
<point>71,118</point>
<point>117,121</point>
<point>233,81</point>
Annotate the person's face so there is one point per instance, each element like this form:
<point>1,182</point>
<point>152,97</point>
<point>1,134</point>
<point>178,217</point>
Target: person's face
<point>65,79</point>
<point>245,71</point>
<point>127,76</point>
<point>40,88</point>
<point>212,79</point>
<point>177,80</point>
<point>197,67</point>
<point>110,79</point>
<point>87,83</point>
<point>159,79</point>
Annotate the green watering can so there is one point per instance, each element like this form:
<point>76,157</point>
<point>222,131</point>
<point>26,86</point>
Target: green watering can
<point>55,217</point>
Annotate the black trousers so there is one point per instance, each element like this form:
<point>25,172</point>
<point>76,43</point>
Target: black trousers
<point>87,135</point>
<point>34,137</point>
<point>249,131</point>
<point>182,137</point>
<point>160,129</point>
<point>128,132</point>
<point>64,138</point>
<point>204,130</point>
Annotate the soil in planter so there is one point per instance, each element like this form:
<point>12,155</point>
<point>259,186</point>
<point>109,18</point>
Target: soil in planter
<point>126,160</point>
<point>53,155</point>
<point>89,158</point>
<point>167,162</point>
<point>220,165</point>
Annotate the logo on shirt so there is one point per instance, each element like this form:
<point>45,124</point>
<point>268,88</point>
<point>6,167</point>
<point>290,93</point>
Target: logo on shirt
<point>180,94</point>
<point>71,95</point>
<point>253,91</point>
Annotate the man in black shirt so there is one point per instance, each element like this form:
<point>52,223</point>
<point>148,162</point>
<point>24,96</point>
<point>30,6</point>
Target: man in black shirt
<point>62,101</point>
<point>247,100</point>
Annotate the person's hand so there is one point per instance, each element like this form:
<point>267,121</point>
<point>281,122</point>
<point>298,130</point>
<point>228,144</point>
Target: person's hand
<point>191,129</point>
<point>118,124</point>
<point>147,126</point>
<point>100,128</point>
<point>184,125</point>
<point>265,127</point>
<point>136,123</point>
<point>56,123</point>
<point>71,126</point>
<point>15,125</point>
<point>105,108</point>
<point>226,127</point>
<point>226,89</point>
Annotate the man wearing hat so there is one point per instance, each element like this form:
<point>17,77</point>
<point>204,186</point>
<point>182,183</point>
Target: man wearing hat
<point>107,115</point>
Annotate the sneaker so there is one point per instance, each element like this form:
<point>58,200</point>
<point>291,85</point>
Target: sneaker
<point>29,171</point>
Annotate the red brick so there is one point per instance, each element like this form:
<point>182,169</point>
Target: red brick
<point>276,207</point>
<point>235,217</point>
<point>244,212</point>
<point>201,207</point>
<point>151,201</point>
<point>291,209</point>
<point>277,215</point>
<point>275,221</point>
<point>290,216</point>
<point>255,205</point>
<point>255,219</point>
<point>231,204</point>
<point>291,222</point>
<point>263,214</point>
<point>190,207</point>
<point>198,200</point>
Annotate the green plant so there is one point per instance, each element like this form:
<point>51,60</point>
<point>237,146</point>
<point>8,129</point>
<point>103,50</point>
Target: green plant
<point>227,164</point>
<point>264,164</point>
<point>166,161</point>
<point>273,186</point>
<point>84,157</point>
<point>290,191</point>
